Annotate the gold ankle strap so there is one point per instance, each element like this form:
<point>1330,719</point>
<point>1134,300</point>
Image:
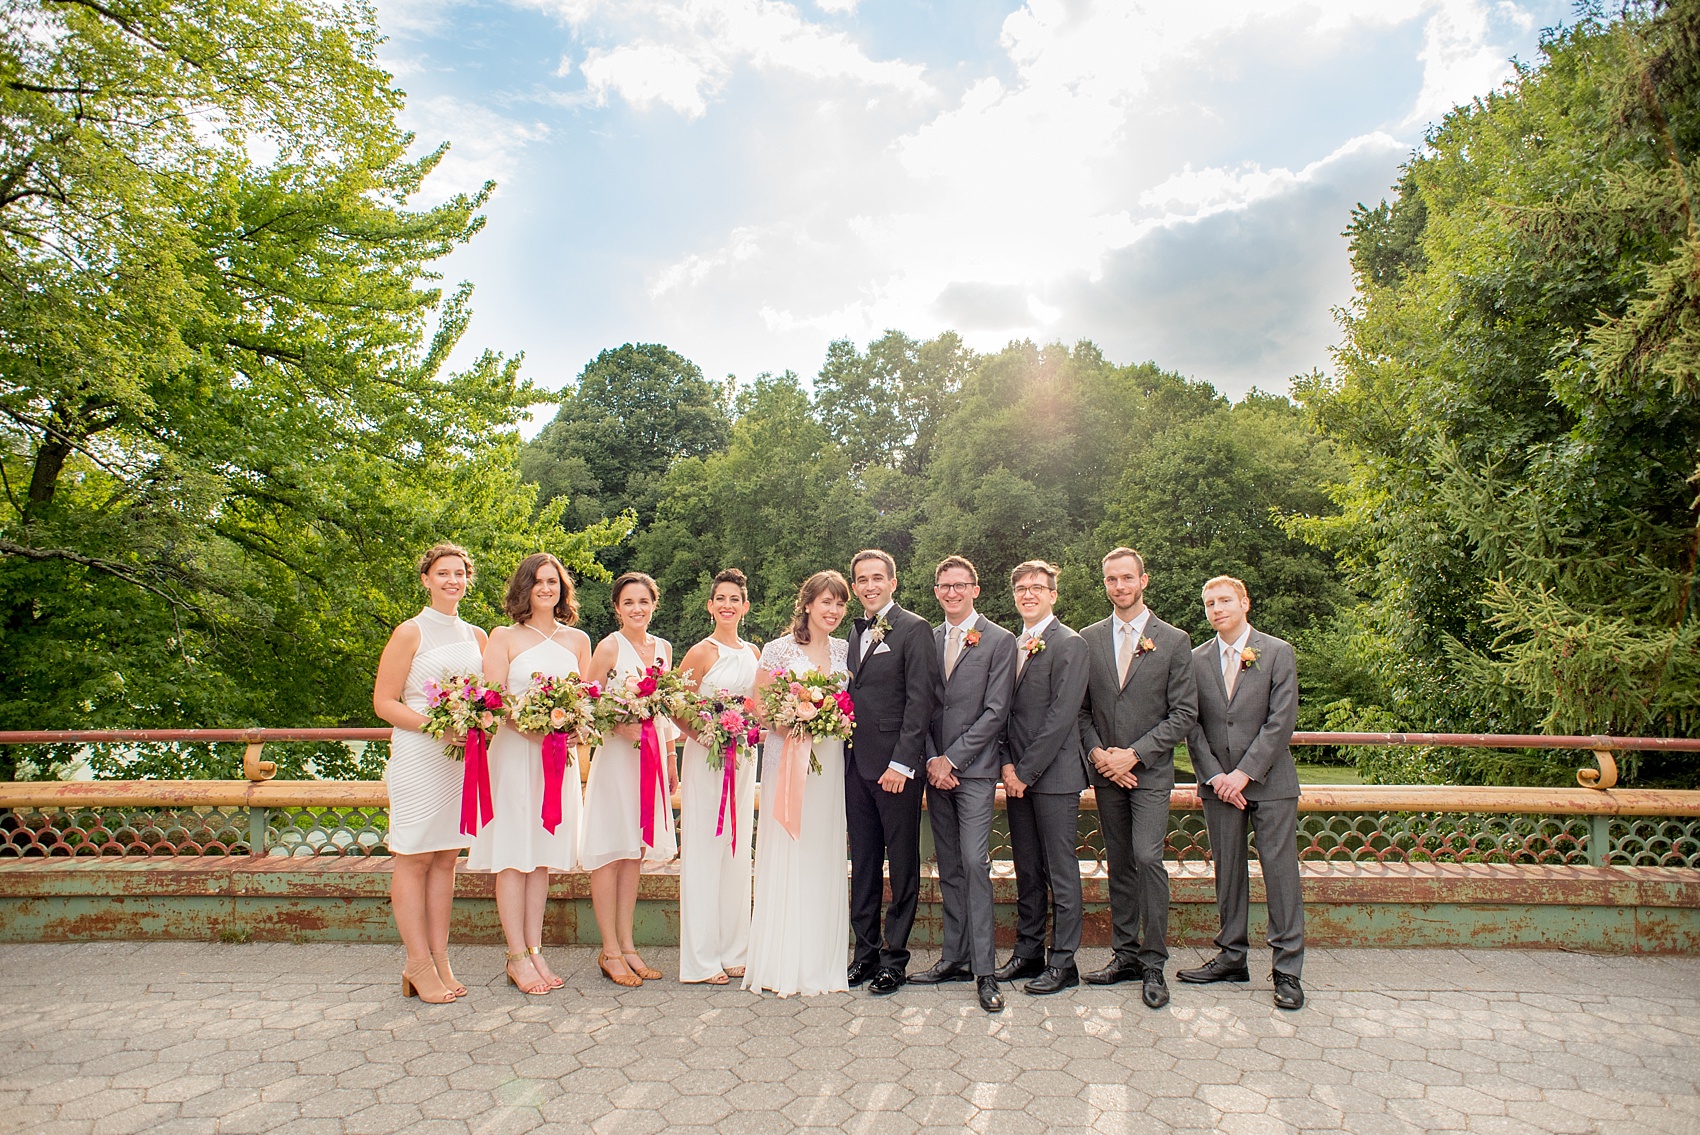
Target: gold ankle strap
<point>534,950</point>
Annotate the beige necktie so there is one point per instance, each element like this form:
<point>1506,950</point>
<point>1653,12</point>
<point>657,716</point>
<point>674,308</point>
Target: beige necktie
<point>1124,656</point>
<point>952,650</point>
<point>1230,669</point>
<point>1021,654</point>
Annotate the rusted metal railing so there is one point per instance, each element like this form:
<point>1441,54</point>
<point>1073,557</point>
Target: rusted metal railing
<point>1342,822</point>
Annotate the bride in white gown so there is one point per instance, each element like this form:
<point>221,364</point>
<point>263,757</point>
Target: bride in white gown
<point>800,929</point>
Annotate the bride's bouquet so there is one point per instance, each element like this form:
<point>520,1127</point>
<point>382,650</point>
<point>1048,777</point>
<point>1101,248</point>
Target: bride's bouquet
<point>642,700</point>
<point>462,703</point>
<point>727,728</point>
<point>809,705</point>
<point>564,711</point>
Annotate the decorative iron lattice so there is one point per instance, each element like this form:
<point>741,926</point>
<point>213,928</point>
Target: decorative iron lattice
<point>123,832</point>
<point>1338,837</point>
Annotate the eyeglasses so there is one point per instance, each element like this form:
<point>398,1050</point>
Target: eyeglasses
<point>1034,589</point>
<point>951,588</point>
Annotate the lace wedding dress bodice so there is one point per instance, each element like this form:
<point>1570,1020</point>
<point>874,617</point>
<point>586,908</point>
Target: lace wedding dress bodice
<point>784,653</point>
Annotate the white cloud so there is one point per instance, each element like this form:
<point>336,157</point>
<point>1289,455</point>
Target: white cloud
<point>483,144</point>
<point>681,53</point>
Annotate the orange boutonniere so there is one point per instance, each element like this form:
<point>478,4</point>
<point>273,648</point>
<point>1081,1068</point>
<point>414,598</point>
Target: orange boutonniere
<point>971,638</point>
<point>1034,646</point>
<point>1146,646</point>
<point>1249,657</point>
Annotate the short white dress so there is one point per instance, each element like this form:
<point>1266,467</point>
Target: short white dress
<point>516,840</point>
<point>714,875</point>
<point>800,929</point>
<point>613,826</point>
<point>424,779</point>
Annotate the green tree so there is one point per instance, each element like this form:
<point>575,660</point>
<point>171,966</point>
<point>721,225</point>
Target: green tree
<point>1516,401</point>
<point>884,408</point>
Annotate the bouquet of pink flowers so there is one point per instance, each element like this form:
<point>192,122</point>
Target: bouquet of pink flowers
<point>565,706</point>
<point>726,727</point>
<point>809,705</point>
<point>461,703</point>
<point>564,711</point>
<point>644,697</point>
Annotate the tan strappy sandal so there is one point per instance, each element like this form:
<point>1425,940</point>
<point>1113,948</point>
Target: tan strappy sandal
<point>542,988</point>
<point>628,979</point>
<point>555,980</point>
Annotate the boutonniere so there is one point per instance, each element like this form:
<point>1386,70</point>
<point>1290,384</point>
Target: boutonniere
<point>971,638</point>
<point>877,632</point>
<point>1146,646</point>
<point>1034,646</point>
<point>1249,657</point>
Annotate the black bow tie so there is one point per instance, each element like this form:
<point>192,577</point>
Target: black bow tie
<point>863,624</point>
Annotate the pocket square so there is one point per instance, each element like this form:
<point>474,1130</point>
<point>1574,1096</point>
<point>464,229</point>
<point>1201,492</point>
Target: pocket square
<point>882,648</point>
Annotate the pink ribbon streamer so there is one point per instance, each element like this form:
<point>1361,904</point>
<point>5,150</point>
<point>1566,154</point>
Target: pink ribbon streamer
<point>788,783</point>
<point>650,779</point>
<point>554,771</point>
<point>477,808</point>
<point>729,791</point>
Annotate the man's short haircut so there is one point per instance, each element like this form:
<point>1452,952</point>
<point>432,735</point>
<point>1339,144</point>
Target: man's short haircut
<point>873,554</point>
<point>1035,567</point>
<point>1225,581</point>
<point>1118,553</point>
<point>961,563</point>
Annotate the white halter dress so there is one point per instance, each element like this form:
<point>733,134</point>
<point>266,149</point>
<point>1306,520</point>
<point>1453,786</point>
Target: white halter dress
<point>424,780</point>
<point>613,828</point>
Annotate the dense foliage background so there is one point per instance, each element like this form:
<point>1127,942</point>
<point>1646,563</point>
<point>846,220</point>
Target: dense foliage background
<point>226,429</point>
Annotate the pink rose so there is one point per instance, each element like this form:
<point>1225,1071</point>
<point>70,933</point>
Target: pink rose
<point>646,687</point>
<point>753,737</point>
<point>806,711</point>
<point>731,721</point>
<point>557,717</point>
<point>592,690</point>
<point>492,700</point>
<point>845,705</point>
<point>487,720</point>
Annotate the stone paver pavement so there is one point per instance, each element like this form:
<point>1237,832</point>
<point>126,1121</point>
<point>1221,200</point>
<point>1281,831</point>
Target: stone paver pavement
<point>188,1038</point>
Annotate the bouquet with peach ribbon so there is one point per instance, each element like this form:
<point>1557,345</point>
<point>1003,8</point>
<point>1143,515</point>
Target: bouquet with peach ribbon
<point>805,708</point>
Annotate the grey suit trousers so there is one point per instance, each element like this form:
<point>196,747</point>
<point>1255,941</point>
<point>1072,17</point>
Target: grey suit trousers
<point>962,835</point>
<point>1044,836</point>
<point>1276,823</point>
<point>1134,824</point>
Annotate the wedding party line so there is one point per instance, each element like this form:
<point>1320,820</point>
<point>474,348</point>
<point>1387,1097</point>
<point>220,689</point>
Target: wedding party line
<point>852,732</point>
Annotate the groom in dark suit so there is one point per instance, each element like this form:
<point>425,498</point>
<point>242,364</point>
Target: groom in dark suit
<point>893,676</point>
<point>1141,701</point>
<point>977,680</point>
<point>1248,704</point>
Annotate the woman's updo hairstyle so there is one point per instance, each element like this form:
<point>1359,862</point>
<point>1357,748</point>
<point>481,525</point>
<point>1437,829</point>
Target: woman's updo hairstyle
<point>627,580</point>
<point>443,551</point>
<point>813,588</point>
<point>733,576</point>
<point>517,604</point>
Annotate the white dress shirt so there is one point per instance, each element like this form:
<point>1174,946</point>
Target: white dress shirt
<point>1136,629</point>
<point>867,644</point>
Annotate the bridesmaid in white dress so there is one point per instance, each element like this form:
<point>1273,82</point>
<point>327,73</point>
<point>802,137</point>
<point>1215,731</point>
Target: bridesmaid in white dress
<point>424,777</point>
<point>612,847</point>
<point>515,845</point>
<point>800,929</point>
<point>714,876</point>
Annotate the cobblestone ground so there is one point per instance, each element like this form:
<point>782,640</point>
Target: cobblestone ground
<point>186,1038</point>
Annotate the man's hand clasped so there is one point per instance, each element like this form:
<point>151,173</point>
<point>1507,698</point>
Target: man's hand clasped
<point>1117,764</point>
<point>1230,787</point>
<point>941,774</point>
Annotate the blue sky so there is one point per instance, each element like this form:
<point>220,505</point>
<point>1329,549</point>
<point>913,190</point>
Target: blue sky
<point>747,180</point>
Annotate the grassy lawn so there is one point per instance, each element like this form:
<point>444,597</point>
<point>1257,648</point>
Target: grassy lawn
<point>1308,774</point>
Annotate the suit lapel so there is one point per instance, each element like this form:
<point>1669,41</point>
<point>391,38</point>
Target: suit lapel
<point>854,654</point>
<point>1240,679</point>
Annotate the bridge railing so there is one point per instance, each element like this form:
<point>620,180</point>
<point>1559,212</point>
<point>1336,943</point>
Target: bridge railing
<point>1595,824</point>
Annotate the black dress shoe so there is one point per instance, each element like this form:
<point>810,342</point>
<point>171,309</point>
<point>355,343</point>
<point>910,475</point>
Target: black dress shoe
<point>1019,967</point>
<point>1156,994</point>
<point>1216,969</point>
<point>886,981</point>
<point>1289,994</point>
<point>1116,971</point>
<point>860,972</point>
<point>941,973</point>
<point>990,999</point>
<point>1053,980</point>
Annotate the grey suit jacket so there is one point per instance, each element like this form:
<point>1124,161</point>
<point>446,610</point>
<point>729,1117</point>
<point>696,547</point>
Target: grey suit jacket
<point>1042,737</point>
<point>1152,713</point>
<point>1252,731</point>
<point>973,703</point>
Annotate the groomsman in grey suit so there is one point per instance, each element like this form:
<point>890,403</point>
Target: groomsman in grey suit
<point>976,683</point>
<point>1044,773</point>
<point>1248,703</point>
<point>1141,701</point>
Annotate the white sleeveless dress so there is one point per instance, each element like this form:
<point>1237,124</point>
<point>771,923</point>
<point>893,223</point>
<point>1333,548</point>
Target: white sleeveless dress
<point>613,825</point>
<point>714,879</point>
<point>515,839</point>
<point>424,781</point>
<point>800,929</point>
